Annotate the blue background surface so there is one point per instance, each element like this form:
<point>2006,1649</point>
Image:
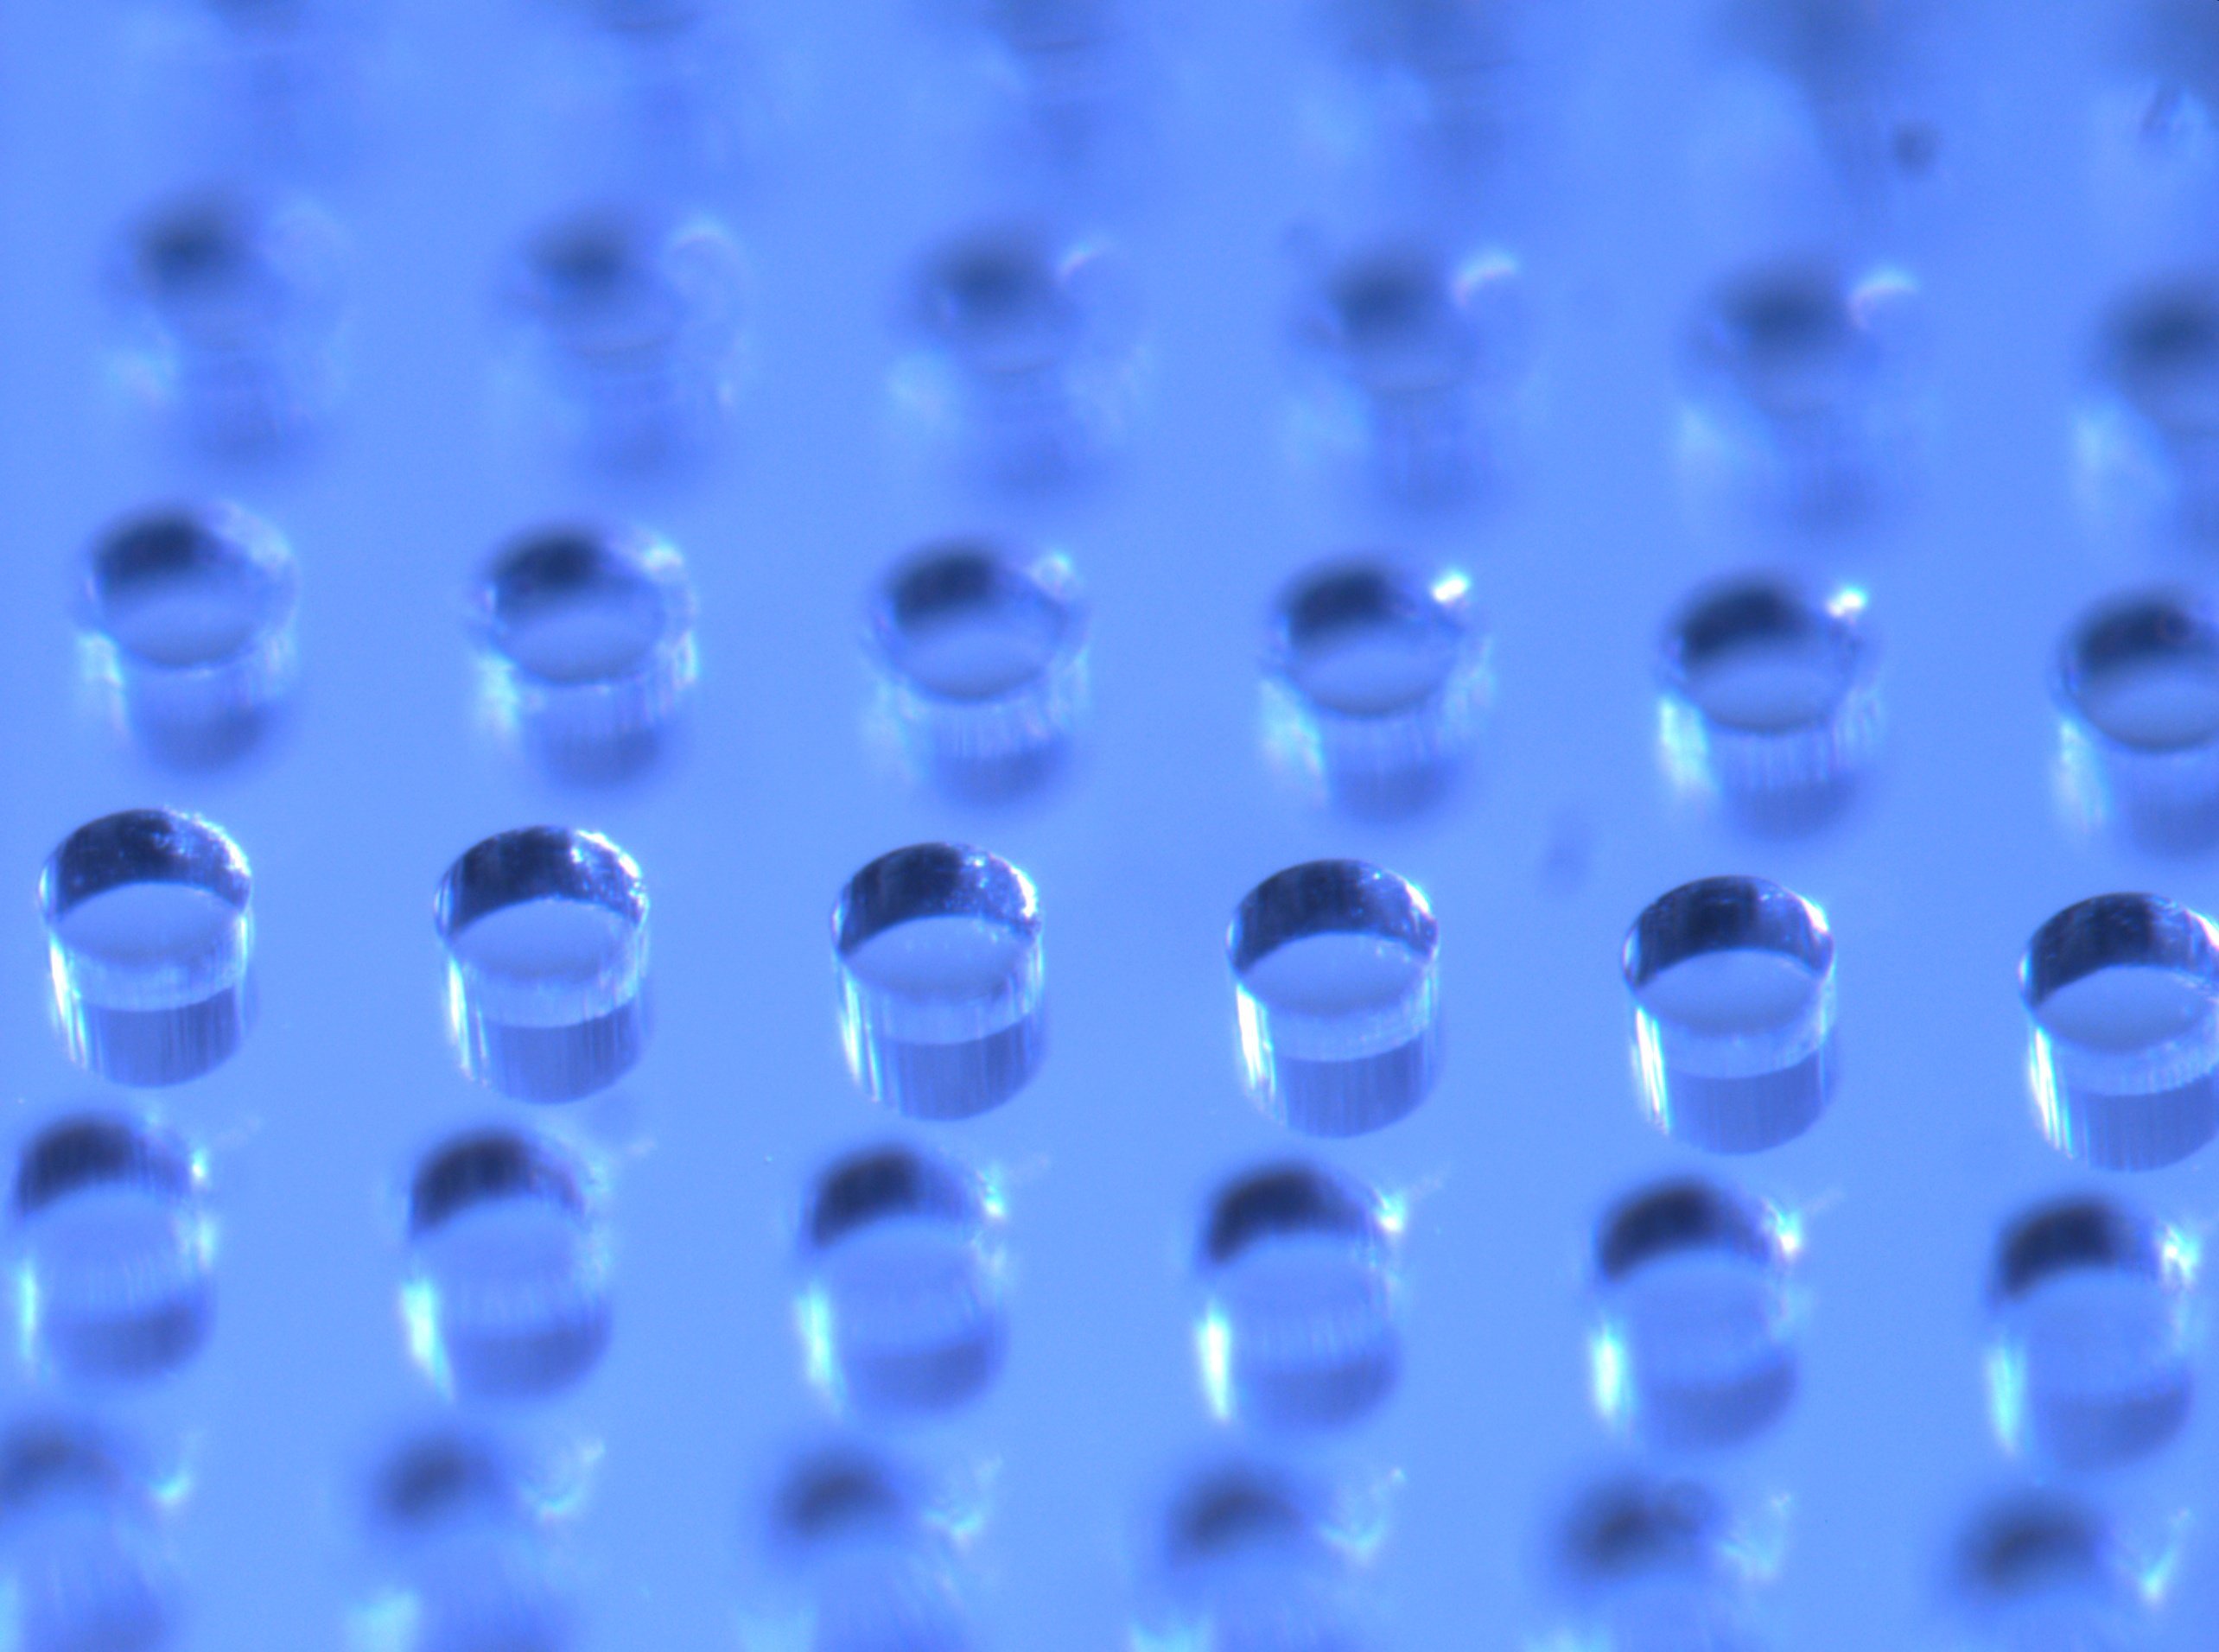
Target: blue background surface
<point>862,142</point>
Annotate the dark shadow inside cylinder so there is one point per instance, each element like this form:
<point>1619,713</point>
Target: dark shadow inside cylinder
<point>593,279</point>
<point>1302,1331</point>
<point>1324,897</point>
<point>509,1293</point>
<point>931,880</point>
<point>197,254</point>
<point>1720,915</point>
<point>833,1495</point>
<point>1786,336</point>
<point>142,846</point>
<point>996,300</point>
<point>905,1309</point>
<point>2170,637</point>
<point>1236,1507</point>
<point>46,1460</point>
<point>1752,614</point>
<point>2093,1366</point>
<point>491,1166</point>
<point>115,1249</point>
<point>445,1478</point>
<point>1696,1350</point>
<point>1635,1524</point>
<point>534,863</point>
<point>1395,316</point>
<point>966,586</point>
<point>146,913</point>
<point>2161,352</point>
<point>2032,1543</point>
<point>2115,931</point>
<point>2073,1234</point>
<point>1354,601</point>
